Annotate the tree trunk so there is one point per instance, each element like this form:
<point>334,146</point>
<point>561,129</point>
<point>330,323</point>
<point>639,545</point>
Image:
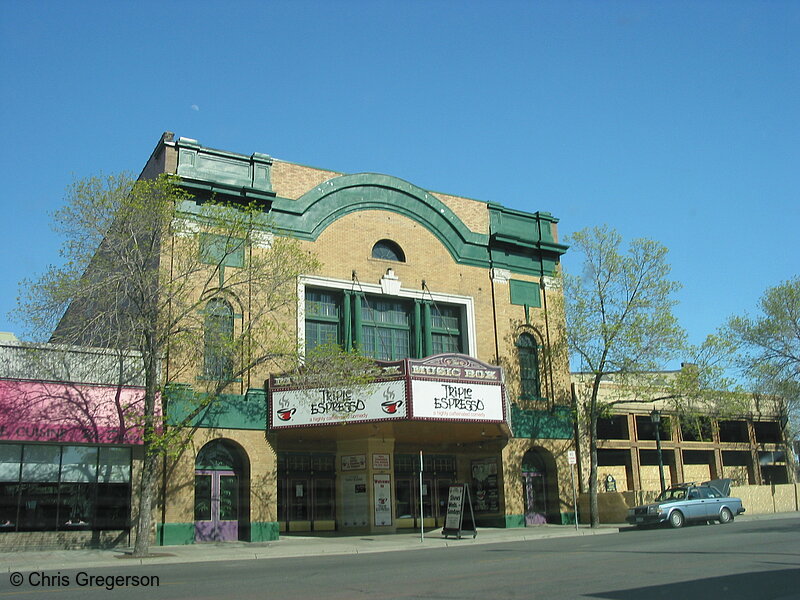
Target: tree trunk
<point>594,512</point>
<point>151,454</point>
<point>144,522</point>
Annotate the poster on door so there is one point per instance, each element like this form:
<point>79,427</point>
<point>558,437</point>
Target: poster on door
<point>484,482</point>
<point>355,500</point>
<point>383,499</point>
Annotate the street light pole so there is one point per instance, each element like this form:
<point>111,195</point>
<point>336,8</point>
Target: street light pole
<point>655,417</point>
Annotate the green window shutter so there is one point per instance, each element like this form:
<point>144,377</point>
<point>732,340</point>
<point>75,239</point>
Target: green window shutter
<point>525,293</point>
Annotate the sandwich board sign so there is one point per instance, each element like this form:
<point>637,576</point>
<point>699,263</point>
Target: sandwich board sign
<point>458,499</point>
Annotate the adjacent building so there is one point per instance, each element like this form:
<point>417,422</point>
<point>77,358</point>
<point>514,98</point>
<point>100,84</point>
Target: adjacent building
<point>70,445</point>
<point>747,446</point>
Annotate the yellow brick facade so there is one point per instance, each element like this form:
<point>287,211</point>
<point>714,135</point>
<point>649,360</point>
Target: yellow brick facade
<point>450,255</point>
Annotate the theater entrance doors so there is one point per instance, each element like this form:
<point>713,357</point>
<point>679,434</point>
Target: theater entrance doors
<point>218,483</point>
<point>536,484</point>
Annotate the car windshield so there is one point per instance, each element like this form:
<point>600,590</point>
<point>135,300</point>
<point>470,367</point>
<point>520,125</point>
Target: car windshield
<point>672,494</point>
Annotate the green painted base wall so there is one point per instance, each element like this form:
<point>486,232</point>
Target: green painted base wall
<point>174,534</point>
<point>568,518</point>
<point>515,521</point>
<point>264,532</point>
<point>181,534</point>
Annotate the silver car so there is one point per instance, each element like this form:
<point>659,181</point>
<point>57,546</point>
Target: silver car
<point>709,501</point>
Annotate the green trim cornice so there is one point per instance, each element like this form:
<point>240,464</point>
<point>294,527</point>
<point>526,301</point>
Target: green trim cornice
<point>308,216</point>
<point>518,241</point>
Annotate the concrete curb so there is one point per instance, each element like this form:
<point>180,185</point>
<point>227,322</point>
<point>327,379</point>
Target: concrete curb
<point>299,547</point>
<point>287,547</point>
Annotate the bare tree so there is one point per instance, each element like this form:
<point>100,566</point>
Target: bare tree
<point>202,292</point>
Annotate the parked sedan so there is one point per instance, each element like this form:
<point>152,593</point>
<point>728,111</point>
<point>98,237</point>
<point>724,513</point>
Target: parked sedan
<point>709,501</point>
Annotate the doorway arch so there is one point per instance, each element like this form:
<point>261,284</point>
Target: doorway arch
<point>540,488</point>
<point>221,492</point>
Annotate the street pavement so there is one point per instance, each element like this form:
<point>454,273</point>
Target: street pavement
<point>289,546</point>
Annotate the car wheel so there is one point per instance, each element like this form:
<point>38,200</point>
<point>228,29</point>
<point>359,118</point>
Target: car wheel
<point>676,519</point>
<point>725,516</point>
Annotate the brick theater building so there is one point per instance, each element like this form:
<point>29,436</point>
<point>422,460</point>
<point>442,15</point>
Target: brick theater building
<point>456,301</point>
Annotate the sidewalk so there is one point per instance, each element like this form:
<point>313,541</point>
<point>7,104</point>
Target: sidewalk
<point>287,546</point>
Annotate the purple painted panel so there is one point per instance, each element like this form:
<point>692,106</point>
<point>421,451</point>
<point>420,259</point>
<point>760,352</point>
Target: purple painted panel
<point>216,529</point>
<point>42,411</point>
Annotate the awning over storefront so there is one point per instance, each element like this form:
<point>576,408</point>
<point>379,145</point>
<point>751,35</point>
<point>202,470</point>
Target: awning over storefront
<point>42,411</point>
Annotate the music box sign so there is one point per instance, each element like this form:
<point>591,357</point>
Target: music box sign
<point>455,387</point>
<point>453,401</point>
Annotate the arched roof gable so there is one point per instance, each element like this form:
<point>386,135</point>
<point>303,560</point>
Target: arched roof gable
<point>308,216</point>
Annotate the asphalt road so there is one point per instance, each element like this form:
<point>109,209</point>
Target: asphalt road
<point>743,560</point>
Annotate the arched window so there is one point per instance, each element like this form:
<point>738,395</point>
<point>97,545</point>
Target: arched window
<point>218,338</point>
<point>388,250</point>
<point>528,351</point>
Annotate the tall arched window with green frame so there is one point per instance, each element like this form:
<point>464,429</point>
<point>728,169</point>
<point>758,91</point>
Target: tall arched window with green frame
<point>218,339</point>
<point>528,352</point>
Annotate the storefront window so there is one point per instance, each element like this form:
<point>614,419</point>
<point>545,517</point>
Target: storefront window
<point>115,465</point>
<point>64,487</point>
<point>41,463</point>
<point>79,463</point>
<point>10,461</point>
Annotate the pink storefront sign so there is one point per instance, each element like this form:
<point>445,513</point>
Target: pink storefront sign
<point>39,411</point>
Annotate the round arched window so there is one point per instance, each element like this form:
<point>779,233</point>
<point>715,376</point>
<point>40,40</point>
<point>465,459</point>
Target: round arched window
<point>388,250</point>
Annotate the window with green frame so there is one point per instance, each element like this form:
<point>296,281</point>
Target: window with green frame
<point>322,318</point>
<point>218,338</point>
<point>386,328</point>
<point>445,329</point>
<point>528,352</point>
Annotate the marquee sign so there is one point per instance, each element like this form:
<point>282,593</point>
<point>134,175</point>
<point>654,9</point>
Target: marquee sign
<point>457,401</point>
<point>379,401</point>
<point>445,387</point>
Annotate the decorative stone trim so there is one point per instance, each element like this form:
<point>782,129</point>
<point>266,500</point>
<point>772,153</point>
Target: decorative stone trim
<point>262,239</point>
<point>551,283</point>
<point>501,275</point>
<point>185,228</point>
<point>390,284</point>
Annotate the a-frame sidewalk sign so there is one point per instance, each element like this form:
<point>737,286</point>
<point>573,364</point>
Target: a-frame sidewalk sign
<point>458,499</point>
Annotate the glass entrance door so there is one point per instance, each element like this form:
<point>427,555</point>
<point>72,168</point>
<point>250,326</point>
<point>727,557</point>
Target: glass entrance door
<point>535,498</point>
<point>434,499</point>
<point>307,491</point>
<point>216,506</point>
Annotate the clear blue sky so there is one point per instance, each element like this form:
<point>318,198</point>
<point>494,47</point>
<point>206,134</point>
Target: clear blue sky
<point>677,121</point>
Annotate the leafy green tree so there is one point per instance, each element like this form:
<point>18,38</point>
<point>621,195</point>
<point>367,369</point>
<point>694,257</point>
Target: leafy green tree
<point>769,344</point>
<point>151,271</point>
<point>619,322</point>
